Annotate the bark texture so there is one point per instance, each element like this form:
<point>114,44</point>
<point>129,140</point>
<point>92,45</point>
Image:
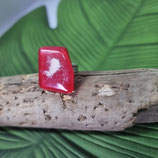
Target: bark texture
<point>103,101</point>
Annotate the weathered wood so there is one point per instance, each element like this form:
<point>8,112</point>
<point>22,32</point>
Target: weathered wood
<point>149,115</point>
<point>103,101</point>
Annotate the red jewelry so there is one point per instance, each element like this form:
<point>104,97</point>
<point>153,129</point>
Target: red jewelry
<point>55,70</point>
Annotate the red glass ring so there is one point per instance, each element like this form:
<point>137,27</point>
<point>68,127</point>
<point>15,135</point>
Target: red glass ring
<point>55,70</point>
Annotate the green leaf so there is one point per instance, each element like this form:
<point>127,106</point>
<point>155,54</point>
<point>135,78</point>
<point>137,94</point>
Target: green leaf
<point>100,35</point>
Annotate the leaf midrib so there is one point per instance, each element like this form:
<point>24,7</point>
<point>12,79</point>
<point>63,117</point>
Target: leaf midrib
<point>120,36</point>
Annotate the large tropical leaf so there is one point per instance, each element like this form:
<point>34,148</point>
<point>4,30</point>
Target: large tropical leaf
<point>100,35</point>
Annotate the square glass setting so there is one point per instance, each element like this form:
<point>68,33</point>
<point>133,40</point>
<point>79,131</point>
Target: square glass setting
<point>55,70</point>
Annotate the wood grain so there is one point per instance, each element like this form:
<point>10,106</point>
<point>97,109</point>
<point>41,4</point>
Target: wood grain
<point>102,101</point>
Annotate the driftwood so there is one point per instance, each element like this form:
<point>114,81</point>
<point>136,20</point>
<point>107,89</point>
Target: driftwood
<point>103,101</point>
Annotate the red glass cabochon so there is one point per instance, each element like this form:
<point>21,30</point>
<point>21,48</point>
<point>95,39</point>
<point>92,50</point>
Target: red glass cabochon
<point>55,70</point>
